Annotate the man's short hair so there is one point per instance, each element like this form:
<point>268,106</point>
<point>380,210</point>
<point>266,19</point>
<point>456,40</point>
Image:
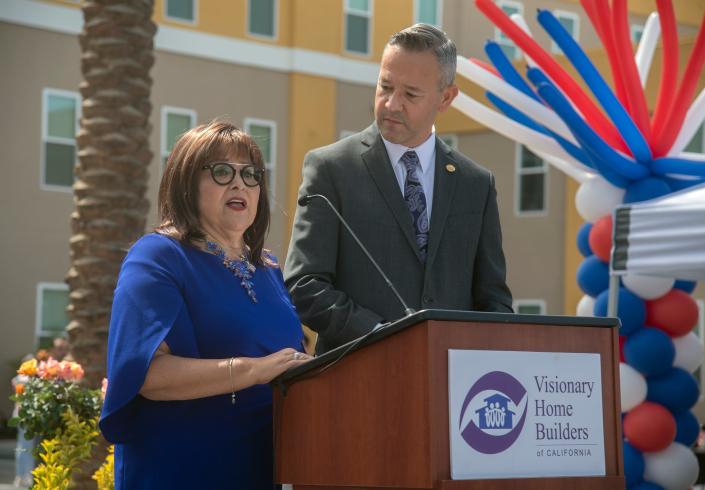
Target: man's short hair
<point>425,37</point>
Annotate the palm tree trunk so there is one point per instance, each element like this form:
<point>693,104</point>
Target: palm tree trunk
<point>117,53</point>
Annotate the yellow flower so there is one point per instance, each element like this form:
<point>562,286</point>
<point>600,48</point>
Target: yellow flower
<point>28,368</point>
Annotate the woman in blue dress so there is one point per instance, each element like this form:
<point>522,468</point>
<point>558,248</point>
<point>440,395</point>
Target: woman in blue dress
<point>201,322</point>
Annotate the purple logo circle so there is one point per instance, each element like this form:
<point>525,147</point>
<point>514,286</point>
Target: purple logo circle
<point>495,415</point>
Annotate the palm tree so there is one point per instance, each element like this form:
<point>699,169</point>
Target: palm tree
<point>117,53</point>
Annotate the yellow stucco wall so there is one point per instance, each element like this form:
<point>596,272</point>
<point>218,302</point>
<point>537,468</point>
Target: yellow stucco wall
<point>311,125</point>
<point>316,25</point>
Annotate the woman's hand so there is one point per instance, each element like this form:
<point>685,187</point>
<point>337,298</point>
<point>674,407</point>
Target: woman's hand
<point>265,369</point>
<point>171,377</point>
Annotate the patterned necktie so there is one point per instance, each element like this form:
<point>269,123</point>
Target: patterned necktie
<point>416,200</point>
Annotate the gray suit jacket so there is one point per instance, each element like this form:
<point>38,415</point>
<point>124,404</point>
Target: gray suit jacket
<point>336,290</point>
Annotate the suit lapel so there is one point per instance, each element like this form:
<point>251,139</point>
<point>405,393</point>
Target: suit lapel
<point>377,162</point>
<point>443,192</point>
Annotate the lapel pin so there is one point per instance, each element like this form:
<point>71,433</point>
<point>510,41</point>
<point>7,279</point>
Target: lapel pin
<point>450,168</point>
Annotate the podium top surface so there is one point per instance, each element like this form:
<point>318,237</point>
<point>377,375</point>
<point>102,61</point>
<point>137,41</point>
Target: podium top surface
<point>438,315</point>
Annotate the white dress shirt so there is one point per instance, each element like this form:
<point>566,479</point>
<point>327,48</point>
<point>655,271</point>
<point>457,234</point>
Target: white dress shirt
<point>426,152</point>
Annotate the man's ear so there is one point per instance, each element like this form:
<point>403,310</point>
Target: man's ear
<point>449,93</point>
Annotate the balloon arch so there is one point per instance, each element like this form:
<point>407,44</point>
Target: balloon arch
<point>618,154</point>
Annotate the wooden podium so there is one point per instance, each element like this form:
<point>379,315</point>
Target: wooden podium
<point>379,417</point>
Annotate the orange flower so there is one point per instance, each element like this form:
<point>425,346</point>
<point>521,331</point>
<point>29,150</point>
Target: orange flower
<point>28,368</point>
<point>19,389</point>
<point>42,354</point>
<point>48,369</point>
<point>76,371</point>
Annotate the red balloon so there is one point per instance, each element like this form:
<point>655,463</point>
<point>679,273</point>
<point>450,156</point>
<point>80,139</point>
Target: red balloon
<point>649,427</point>
<point>622,340</point>
<point>676,313</point>
<point>600,238</point>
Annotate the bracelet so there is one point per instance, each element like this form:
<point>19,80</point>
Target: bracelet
<point>232,383</point>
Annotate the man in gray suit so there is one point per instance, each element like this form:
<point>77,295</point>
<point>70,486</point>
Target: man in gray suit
<point>427,213</point>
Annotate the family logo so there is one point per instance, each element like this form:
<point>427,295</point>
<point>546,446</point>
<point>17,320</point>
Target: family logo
<point>493,399</point>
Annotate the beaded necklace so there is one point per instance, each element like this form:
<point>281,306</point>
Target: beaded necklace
<point>241,268</point>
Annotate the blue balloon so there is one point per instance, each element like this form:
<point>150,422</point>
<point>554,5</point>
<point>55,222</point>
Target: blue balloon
<point>646,485</point>
<point>687,286</point>
<point>668,165</point>
<point>633,464</point>
<point>650,351</point>
<point>506,68</point>
<point>676,390</point>
<point>687,428</point>
<point>593,276</point>
<point>631,310</point>
<point>645,189</point>
<point>589,139</point>
<point>584,239</point>
<point>516,115</point>
<point>620,117</point>
<point>678,184</point>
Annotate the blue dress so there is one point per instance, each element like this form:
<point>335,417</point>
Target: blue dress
<point>179,294</point>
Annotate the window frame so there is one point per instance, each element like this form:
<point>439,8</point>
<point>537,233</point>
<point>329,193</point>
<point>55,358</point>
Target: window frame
<point>272,165</point>
<point>179,20</point>
<point>439,12</point>
<point>275,21</point>
<point>165,111</point>
<point>576,22</point>
<point>541,303</point>
<point>39,303</point>
<point>370,16</point>
<point>519,171</point>
<point>499,37</point>
<point>45,138</point>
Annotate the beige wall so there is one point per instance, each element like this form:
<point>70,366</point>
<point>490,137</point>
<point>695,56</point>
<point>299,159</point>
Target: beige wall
<point>233,92</point>
<point>34,244</point>
<point>356,107</point>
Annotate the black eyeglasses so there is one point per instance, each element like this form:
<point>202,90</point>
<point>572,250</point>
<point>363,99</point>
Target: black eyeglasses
<point>223,173</point>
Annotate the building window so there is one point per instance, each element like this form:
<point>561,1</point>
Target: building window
<point>571,22</point>
<point>61,112</point>
<point>531,177</point>
<point>450,139</point>
<point>358,16</point>
<point>181,10</point>
<point>429,11</point>
<point>636,31</point>
<point>264,133</point>
<point>52,300</point>
<point>510,8</point>
<point>529,306</point>
<point>262,17</point>
<point>697,144</point>
<point>175,122</point>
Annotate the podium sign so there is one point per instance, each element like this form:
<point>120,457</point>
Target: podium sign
<point>517,414</point>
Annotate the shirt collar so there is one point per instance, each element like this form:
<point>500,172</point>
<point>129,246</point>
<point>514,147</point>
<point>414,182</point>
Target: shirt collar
<point>424,151</point>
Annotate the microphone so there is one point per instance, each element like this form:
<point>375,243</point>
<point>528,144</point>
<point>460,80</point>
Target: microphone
<point>305,200</point>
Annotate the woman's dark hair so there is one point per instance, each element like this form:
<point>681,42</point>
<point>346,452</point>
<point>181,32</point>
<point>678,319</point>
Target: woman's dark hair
<point>178,190</point>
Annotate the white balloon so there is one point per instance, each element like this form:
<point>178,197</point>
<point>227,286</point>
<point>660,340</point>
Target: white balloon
<point>596,197</point>
<point>648,287</point>
<point>689,352</point>
<point>586,306</point>
<point>632,385</point>
<point>674,468</point>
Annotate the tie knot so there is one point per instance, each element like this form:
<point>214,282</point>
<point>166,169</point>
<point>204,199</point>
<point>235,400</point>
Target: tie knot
<point>410,160</point>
